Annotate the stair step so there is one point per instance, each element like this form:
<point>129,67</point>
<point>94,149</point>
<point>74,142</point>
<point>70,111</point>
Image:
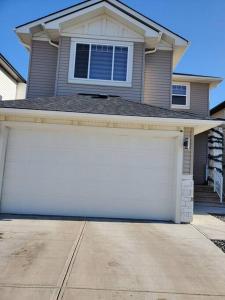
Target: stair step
<point>210,204</point>
<point>207,200</point>
<point>203,188</point>
<point>207,195</point>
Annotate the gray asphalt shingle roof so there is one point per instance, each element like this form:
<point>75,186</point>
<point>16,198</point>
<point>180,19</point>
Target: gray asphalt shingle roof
<point>111,105</point>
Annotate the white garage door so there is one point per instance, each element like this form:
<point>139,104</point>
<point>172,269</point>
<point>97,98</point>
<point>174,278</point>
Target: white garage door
<point>86,171</point>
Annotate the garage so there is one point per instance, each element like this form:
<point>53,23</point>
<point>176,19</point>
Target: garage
<point>90,171</point>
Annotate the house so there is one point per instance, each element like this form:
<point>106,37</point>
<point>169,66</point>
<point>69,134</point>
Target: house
<point>106,130</point>
<point>12,84</point>
<point>218,112</point>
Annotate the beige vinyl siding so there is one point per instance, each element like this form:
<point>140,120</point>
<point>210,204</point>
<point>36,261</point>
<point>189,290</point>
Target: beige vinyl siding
<point>158,78</point>
<point>199,104</point>
<point>188,154</point>
<point>199,98</point>
<point>42,73</point>
<point>133,93</point>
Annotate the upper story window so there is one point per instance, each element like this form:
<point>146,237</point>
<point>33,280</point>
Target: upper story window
<point>180,95</point>
<point>101,62</point>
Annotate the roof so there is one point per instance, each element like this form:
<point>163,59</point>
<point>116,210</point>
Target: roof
<point>5,64</point>
<point>88,104</point>
<point>89,1</point>
<point>217,108</point>
<point>195,75</point>
<point>213,81</point>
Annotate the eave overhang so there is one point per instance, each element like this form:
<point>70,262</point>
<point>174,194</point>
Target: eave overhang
<point>212,81</point>
<point>39,116</point>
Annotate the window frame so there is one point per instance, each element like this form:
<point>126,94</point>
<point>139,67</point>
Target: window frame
<point>181,106</point>
<point>71,75</point>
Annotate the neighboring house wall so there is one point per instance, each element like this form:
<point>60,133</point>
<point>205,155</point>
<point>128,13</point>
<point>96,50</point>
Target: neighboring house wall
<point>219,114</point>
<point>21,90</point>
<point>133,93</point>
<point>8,86</point>
<point>158,78</point>
<point>42,73</point>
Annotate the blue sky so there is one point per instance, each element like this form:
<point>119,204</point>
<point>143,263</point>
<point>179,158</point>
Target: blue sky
<point>200,21</point>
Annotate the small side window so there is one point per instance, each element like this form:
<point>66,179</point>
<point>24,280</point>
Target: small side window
<point>181,95</point>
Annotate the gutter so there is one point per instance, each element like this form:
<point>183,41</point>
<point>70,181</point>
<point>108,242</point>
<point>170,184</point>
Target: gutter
<point>198,125</point>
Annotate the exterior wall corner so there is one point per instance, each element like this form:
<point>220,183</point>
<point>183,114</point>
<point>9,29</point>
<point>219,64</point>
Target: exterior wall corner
<point>187,192</point>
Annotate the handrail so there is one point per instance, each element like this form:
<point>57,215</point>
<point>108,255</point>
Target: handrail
<point>218,184</point>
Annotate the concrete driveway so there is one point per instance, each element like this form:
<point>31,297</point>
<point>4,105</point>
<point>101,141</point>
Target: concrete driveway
<point>67,259</point>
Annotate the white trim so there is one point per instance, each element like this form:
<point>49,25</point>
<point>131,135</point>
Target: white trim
<point>150,32</point>
<point>179,40</point>
<point>152,132</point>
<point>198,125</point>
<point>3,149</point>
<point>212,81</point>
<point>187,105</point>
<point>72,79</point>
<point>105,37</point>
<point>179,172</point>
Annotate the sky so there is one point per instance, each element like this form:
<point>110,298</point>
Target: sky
<point>202,22</point>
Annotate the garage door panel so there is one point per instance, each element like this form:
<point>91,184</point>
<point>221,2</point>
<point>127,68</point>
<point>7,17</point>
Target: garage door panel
<point>95,172</point>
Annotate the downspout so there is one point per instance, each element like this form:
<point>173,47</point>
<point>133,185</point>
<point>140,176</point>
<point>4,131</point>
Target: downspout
<point>49,39</point>
<point>153,50</point>
<point>148,51</point>
<point>53,44</point>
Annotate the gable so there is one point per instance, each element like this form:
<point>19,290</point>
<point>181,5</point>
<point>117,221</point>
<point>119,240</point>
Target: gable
<point>104,27</point>
<point>135,24</point>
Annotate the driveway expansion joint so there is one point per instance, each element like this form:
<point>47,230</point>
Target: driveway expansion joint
<point>62,282</point>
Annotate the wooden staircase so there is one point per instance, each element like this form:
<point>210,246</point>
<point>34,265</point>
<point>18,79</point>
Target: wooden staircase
<point>205,194</point>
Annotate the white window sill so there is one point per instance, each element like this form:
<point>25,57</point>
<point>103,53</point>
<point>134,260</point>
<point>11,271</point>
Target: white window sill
<point>100,82</point>
<point>180,106</point>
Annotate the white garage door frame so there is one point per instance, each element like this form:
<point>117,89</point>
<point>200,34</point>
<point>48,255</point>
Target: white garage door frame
<point>177,135</point>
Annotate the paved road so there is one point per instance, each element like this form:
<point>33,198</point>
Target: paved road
<point>66,259</point>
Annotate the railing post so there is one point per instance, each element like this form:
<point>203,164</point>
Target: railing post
<point>214,179</point>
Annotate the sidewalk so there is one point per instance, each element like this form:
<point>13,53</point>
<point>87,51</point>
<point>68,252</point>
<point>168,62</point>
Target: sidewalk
<point>210,226</point>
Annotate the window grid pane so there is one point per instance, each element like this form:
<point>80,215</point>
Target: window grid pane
<point>101,62</point>
<point>81,61</point>
<point>120,64</point>
<point>179,100</point>
<point>179,90</point>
